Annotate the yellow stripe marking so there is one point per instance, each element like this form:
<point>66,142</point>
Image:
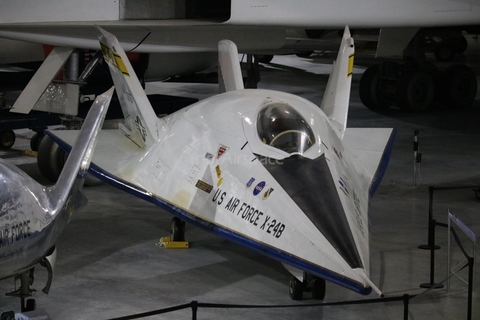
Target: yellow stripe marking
<point>114,59</point>
<point>350,65</point>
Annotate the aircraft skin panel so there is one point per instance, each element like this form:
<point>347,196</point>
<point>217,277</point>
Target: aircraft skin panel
<point>370,14</point>
<point>33,216</point>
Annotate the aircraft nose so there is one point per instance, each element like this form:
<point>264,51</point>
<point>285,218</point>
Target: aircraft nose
<point>310,184</point>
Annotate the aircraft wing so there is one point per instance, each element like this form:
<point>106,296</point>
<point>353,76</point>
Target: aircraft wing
<point>147,36</point>
<point>193,26</point>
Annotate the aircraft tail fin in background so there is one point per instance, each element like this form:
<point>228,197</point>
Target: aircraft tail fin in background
<point>337,93</point>
<point>81,155</point>
<point>230,74</point>
<point>141,122</point>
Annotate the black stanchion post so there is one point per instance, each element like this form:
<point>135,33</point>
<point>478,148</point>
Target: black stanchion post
<point>417,156</point>
<point>194,305</point>
<point>406,301</point>
<point>470,287</point>
<point>432,284</point>
<point>431,223</point>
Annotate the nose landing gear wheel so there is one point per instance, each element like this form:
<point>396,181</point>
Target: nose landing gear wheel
<point>295,287</point>
<point>177,230</point>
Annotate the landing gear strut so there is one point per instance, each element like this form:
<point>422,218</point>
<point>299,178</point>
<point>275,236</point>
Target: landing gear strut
<point>310,283</point>
<point>26,280</point>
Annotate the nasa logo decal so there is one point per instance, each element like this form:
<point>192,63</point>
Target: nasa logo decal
<point>258,188</point>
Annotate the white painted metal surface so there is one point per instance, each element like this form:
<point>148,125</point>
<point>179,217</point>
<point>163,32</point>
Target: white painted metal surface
<point>32,216</point>
<point>263,168</point>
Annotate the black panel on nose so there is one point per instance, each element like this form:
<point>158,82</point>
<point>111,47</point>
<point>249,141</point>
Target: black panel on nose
<point>309,183</point>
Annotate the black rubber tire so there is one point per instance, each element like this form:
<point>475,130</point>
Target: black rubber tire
<point>460,44</point>
<point>369,90</point>
<point>295,288</point>
<point>35,141</point>
<point>414,91</point>
<point>177,230</point>
<point>458,86</point>
<point>7,139</point>
<point>50,159</point>
<point>319,289</point>
<point>444,52</point>
<point>264,58</point>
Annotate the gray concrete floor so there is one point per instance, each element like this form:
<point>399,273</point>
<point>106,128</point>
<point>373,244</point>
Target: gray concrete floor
<point>108,264</point>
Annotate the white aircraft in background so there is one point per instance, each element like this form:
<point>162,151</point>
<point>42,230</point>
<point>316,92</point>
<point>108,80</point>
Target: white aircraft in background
<point>32,216</point>
<point>266,169</point>
<point>195,27</point>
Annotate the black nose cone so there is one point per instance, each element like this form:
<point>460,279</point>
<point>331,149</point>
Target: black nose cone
<point>310,184</point>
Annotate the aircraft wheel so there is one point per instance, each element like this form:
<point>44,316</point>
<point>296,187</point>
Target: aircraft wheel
<point>444,52</point>
<point>295,288</point>
<point>414,90</point>
<point>50,159</point>
<point>459,86</point>
<point>369,89</point>
<point>177,229</point>
<point>319,289</point>
<point>7,139</point>
<point>35,141</point>
<point>460,44</point>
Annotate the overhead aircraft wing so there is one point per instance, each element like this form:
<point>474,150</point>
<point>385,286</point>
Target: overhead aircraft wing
<point>147,36</point>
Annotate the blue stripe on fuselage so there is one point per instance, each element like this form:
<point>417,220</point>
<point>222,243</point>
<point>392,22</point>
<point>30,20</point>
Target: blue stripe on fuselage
<point>223,232</point>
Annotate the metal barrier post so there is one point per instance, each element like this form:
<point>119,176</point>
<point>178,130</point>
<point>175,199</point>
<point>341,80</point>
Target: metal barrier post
<point>406,300</point>
<point>194,305</point>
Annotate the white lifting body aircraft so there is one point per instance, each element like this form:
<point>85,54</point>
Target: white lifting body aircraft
<point>266,169</point>
<point>32,216</point>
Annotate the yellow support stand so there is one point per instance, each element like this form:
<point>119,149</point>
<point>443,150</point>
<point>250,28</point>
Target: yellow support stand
<point>30,153</point>
<point>166,243</point>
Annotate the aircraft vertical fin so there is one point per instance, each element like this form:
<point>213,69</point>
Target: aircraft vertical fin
<point>230,74</point>
<point>337,93</point>
<point>78,162</point>
<point>141,123</point>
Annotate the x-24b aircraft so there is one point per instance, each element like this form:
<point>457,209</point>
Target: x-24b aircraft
<point>266,169</point>
<point>32,216</point>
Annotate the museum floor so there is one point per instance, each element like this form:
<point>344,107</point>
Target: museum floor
<point>108,263</point>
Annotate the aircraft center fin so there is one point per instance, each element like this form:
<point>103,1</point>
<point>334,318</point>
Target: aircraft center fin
<point>230,73</point>
<point>141,123</point>
<point>337,93</point>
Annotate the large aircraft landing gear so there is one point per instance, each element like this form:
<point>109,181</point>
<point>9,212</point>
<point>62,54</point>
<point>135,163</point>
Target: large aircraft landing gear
<point>416,84</point>
<point>310,283</point>
<point>7,139</point>
<point>414,89</point>
<point>51,159</point>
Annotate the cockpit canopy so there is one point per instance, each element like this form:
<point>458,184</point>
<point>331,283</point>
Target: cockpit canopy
<point>281,126</point>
